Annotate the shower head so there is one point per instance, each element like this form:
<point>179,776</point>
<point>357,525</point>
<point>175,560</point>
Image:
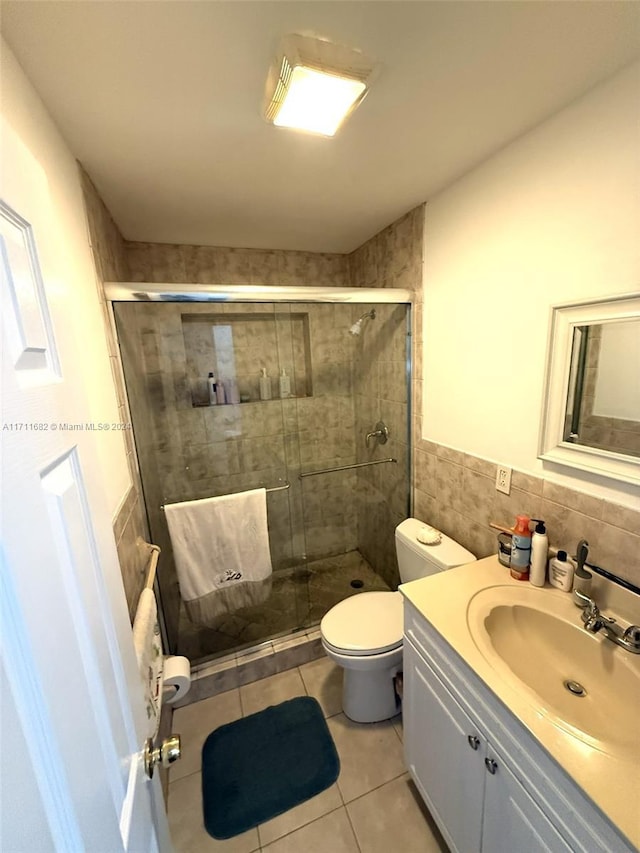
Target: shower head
<point>357,326</point>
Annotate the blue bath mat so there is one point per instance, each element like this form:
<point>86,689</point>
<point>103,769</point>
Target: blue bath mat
<point>263,765</point>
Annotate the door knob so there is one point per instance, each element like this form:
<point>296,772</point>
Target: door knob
<point>169,751</point>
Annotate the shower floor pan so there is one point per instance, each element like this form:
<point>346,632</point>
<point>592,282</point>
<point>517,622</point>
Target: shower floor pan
<point>299,598</point>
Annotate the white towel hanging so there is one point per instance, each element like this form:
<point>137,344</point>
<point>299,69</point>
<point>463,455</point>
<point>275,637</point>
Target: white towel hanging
<point>221,550</point>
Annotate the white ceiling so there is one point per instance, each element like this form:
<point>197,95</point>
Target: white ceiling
<point>161,101</point>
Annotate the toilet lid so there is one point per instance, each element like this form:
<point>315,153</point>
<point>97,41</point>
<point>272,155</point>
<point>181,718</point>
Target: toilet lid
<point>365,624</point>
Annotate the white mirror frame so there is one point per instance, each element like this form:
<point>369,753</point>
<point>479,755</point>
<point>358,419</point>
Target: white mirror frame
<point>564,318</point>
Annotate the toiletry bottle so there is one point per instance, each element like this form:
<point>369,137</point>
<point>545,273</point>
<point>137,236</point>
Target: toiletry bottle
<point>561,572</point>
<point>211,383</point>
<point>232,393</point>
<point>285,384</point>
<point>265,385</point>
<point>539,552</point>
<point>521,548</point>
<point>581,577</point>
<point>220,393</point>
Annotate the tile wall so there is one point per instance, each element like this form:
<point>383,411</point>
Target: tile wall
<point>129,524</point>
<point>392,258</point>
<point>456,493</point>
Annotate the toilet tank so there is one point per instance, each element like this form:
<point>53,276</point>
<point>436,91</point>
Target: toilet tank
<point>416,560</point>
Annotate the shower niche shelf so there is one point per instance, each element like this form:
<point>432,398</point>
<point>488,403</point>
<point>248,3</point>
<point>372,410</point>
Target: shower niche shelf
<point>236,345</point>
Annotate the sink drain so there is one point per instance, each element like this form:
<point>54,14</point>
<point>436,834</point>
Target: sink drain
<point>356,583</point>
<point>575,687</point>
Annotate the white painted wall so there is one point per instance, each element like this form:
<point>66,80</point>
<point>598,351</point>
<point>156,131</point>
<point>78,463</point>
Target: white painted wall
<point>617,392</point>
<point>553,217</point>
<point>82,325</point>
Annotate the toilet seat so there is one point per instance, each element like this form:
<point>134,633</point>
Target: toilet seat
<point>370,623</point>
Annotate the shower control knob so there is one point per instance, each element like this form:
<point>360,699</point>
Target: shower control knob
<point>170,750</point>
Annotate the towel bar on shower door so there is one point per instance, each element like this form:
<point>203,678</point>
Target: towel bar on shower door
<point>274,489</point>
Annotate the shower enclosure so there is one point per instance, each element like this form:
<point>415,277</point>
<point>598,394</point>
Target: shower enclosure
<point>332,451</point>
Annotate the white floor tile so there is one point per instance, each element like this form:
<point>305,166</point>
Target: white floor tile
<point>271,691</point>
<point>195,722</point>
<point>325,802</point>
<point>323,680</point>
<point>329,834</point>
<point>393,817</point>
<point>186,822</point>
<point>370,755</point>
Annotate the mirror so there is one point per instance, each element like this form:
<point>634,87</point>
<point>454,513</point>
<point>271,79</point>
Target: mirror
<point>591,413</point>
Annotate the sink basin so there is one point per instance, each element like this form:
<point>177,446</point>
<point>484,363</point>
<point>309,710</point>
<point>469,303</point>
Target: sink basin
<point>584,683</point>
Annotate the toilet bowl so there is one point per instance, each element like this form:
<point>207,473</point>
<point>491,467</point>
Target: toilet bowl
<point>363,633</point>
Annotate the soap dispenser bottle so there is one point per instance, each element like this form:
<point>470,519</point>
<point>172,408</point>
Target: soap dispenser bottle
<point>285,384</point>
<point>539,552</point>
<point>265,385</point>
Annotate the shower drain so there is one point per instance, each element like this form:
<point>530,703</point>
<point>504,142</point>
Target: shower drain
<point>356,583</point>
<point>575,687</point>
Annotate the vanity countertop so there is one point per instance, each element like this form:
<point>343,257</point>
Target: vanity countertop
<point>611,778</point>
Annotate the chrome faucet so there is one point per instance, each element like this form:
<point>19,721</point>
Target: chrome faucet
<point>594,621</point>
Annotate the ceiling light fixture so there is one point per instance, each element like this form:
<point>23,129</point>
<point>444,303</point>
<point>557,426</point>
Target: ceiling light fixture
<point>314,84</point>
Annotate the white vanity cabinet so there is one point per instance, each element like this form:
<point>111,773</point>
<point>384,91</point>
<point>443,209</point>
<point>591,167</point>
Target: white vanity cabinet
<point>489,786</point>
<point>476,800</point>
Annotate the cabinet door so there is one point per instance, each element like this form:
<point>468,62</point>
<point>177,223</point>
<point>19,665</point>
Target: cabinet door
<point>444,753</point>
<point>512,820</point>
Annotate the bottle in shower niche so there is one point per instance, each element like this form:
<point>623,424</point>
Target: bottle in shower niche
<point>220,393</point>
<point>521,548</point>
<point>285,384</point>
<point>265,384</point>
<point>212,386</point>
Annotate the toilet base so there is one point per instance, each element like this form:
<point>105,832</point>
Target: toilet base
<point>368,692</point>
<point>369,697</point>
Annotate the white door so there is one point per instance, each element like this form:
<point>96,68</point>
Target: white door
<point>71,702</point>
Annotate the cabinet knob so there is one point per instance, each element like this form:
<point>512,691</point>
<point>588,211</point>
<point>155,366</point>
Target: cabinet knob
<point>491,765</point>
<point>474,742</point>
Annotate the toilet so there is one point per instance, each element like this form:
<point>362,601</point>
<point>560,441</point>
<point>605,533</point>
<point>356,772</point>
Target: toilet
<point>363,634</point>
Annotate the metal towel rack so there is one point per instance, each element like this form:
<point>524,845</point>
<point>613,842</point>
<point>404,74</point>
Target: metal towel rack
<point>274,489</point>
<point>347,467</point>
<point>153,563</point>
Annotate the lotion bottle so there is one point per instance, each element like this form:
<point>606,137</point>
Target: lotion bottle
<point>539,552</point>
<point>561,572</point>
<point>265,385</point>
<point>285,384</point>
<point>521,548</point>
<point>220,393</point>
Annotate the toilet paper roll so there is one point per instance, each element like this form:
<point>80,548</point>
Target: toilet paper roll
<point>177,678</point>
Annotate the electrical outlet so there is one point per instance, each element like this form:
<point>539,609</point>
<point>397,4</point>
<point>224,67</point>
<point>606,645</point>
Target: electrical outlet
<point>503,479</point>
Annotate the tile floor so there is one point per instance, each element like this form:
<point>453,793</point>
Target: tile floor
<point>372,808</point>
